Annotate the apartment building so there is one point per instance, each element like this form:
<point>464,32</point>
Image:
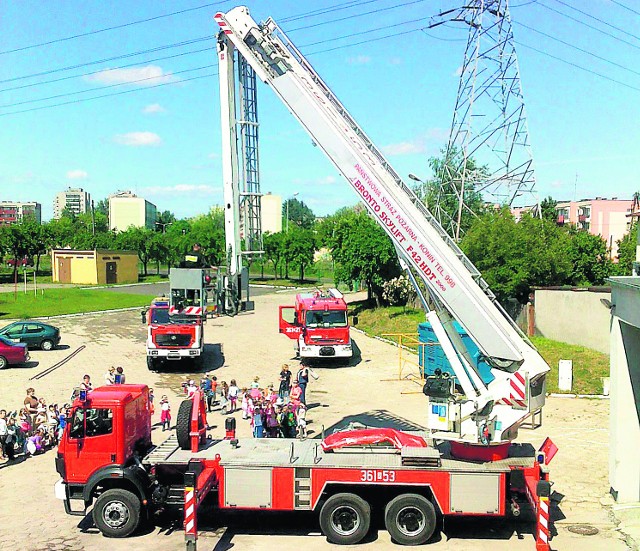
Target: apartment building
<point>271,213</point>
<point>127,209</point>
<point>14,211</point>
<point>75,200</point>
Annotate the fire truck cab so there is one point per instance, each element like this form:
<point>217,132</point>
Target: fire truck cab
<point>319,324</point>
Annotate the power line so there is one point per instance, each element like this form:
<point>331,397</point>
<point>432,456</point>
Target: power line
<point>105,29</point>
<point>104,96</point>
<point>88,90</point>
<point>578,66</point>
<point>404,4</point>
<point>589,26</point>
<point>110,69</point>
<point>106,59</point>
<point>579,49</point>
<point>598,19</point>
<point>625,7</point>
<point>338,7</point>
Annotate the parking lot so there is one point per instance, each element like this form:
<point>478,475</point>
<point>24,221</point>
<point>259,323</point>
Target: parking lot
<point>366,391</point>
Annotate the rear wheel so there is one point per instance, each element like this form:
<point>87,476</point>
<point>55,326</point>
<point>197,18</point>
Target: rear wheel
<point>345,519</point>
<point>3,362</point>
<point>183,424</point>
<point>117,513</point>
<point>410,519</point>
<point>46,345</point>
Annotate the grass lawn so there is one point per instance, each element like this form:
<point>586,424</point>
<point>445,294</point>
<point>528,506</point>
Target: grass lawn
<point>589,366</point>
<point>53,302</point>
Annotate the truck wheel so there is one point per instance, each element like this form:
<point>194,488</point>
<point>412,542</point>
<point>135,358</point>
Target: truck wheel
<point>117,513</point>
<point>345,519</point>
<point>183,424</point>
<point>152,364</point>
<point>410,519</point>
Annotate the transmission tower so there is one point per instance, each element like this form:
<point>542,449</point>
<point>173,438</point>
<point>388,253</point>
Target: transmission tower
<point>488,151</point>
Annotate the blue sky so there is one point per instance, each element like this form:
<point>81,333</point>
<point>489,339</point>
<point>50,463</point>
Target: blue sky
<point>164,142</point>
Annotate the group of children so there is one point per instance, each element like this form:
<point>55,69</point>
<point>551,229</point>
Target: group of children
<point>33,429</point>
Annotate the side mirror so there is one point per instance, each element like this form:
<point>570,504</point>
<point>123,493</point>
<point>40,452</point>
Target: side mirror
<point>355,321</point>
<point>143,315</point>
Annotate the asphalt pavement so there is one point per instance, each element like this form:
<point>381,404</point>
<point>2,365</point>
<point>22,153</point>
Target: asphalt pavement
<point>162,288</point>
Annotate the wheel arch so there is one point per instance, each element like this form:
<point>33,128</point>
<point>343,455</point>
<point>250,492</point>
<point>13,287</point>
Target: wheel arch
<point>135,481</point>
<point>378,495</point>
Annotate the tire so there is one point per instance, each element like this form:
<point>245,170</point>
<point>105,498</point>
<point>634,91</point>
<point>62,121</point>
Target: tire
<point>152,364</point>
<point>116,513</point>
<point>3,362</point>
<point>183,424</point>
<point>345,519</point>
<point>47,345</point>
<point>410,519</point>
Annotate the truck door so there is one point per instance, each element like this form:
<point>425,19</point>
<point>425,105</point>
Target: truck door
<point>288,323</point>
<point>91,443</point>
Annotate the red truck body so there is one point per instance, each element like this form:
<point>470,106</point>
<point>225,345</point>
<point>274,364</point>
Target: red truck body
<point>106,458</point>
<point>172,336</point>
<point>319,324</point>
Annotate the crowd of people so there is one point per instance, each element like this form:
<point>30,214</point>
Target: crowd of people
<point>271,414</point>
<point>32,429</point>
<point>38,426</point>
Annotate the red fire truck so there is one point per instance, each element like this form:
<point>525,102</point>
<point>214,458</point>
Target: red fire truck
<point>319,325</point>
<point>175,325</point>
<point>106,460</point>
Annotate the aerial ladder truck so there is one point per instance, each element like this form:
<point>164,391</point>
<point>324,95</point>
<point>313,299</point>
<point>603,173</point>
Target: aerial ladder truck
<point>465,463</point>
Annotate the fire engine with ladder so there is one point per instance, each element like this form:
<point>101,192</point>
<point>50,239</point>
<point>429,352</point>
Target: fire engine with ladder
<point>464,464</point>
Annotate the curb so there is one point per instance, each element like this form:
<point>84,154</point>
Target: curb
<point>592,396</point>
<point>123,285</point>
<point>79,314</point>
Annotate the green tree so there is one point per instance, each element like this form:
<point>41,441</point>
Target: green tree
<point>164,219</point>
<point>102,207</point>
<point>158,250</point>
<point>137,239</point>
<point>627,251</point>
<point>273,245</point>
<point>589,258</point>
<point>299,214</point>
<point>300,248</point>
<point>548,209</point>
<point>444,188</point>
<point>513,257</point>
<point>208,230</point>
<point>363,251</point>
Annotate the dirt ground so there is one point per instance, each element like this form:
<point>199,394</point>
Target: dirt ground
<point>367,390</point>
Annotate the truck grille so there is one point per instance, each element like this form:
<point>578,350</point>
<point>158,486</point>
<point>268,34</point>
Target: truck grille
<point>172,339</point>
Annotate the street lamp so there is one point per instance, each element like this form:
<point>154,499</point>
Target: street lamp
<point>164,226</point>
<point>420,181</point>
<point>288,200</point>
<point>415,178</point>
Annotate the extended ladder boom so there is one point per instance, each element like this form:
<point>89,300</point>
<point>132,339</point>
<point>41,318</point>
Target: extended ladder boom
<point>418,237</point>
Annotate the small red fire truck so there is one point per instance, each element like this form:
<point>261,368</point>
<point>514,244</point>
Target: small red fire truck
<point>106,459</point>
<point>319,325</point>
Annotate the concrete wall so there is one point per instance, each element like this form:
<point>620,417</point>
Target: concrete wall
<point>624,419</point>
<point>574,317</point>
<point>126,266</point>
<point>271,213</point>
<point>89,267</point>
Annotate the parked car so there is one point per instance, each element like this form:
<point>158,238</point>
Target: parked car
<point>33,333</point>
<point>12,352</point>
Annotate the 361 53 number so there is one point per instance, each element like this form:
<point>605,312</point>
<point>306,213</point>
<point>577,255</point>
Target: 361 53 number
<point>375,475</point>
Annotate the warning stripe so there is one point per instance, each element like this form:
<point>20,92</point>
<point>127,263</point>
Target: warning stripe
<point>543,521</point>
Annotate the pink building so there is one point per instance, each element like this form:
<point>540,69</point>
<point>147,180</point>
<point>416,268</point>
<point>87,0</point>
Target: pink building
<point>608,218</point>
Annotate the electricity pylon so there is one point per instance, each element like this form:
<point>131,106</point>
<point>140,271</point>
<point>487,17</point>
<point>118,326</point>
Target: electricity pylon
<point>488,151</point>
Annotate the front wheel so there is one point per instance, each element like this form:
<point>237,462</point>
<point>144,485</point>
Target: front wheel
<point>3,362</point>
<point>410,519</point>
<point>46,345</point>
<point>345,519</point>
<point>117,513</point>
<point>152,364</point>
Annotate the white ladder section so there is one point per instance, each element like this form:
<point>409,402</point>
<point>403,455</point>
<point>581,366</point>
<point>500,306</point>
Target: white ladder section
<point>417,235</point>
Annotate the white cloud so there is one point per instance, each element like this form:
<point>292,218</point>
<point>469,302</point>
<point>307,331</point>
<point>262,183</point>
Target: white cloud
<point>137,139</point>
<point>422,143</point>
<point>396,61</point>
<point>77,174</point>
<point>142,76</point>
<point>213,155</point>
<point>323,181</point>
<point>359,60</point>
<point>457,72</point>
<point>404,148</point>
<point>153,108</point>
<point>557,184</point>
<point>186,189</point>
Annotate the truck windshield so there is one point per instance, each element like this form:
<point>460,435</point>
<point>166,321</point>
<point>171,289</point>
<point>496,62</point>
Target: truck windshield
<point>328,318</point>
<point>160,315</point>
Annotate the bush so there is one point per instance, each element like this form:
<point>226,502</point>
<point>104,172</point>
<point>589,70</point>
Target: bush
<point>398,291</point>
